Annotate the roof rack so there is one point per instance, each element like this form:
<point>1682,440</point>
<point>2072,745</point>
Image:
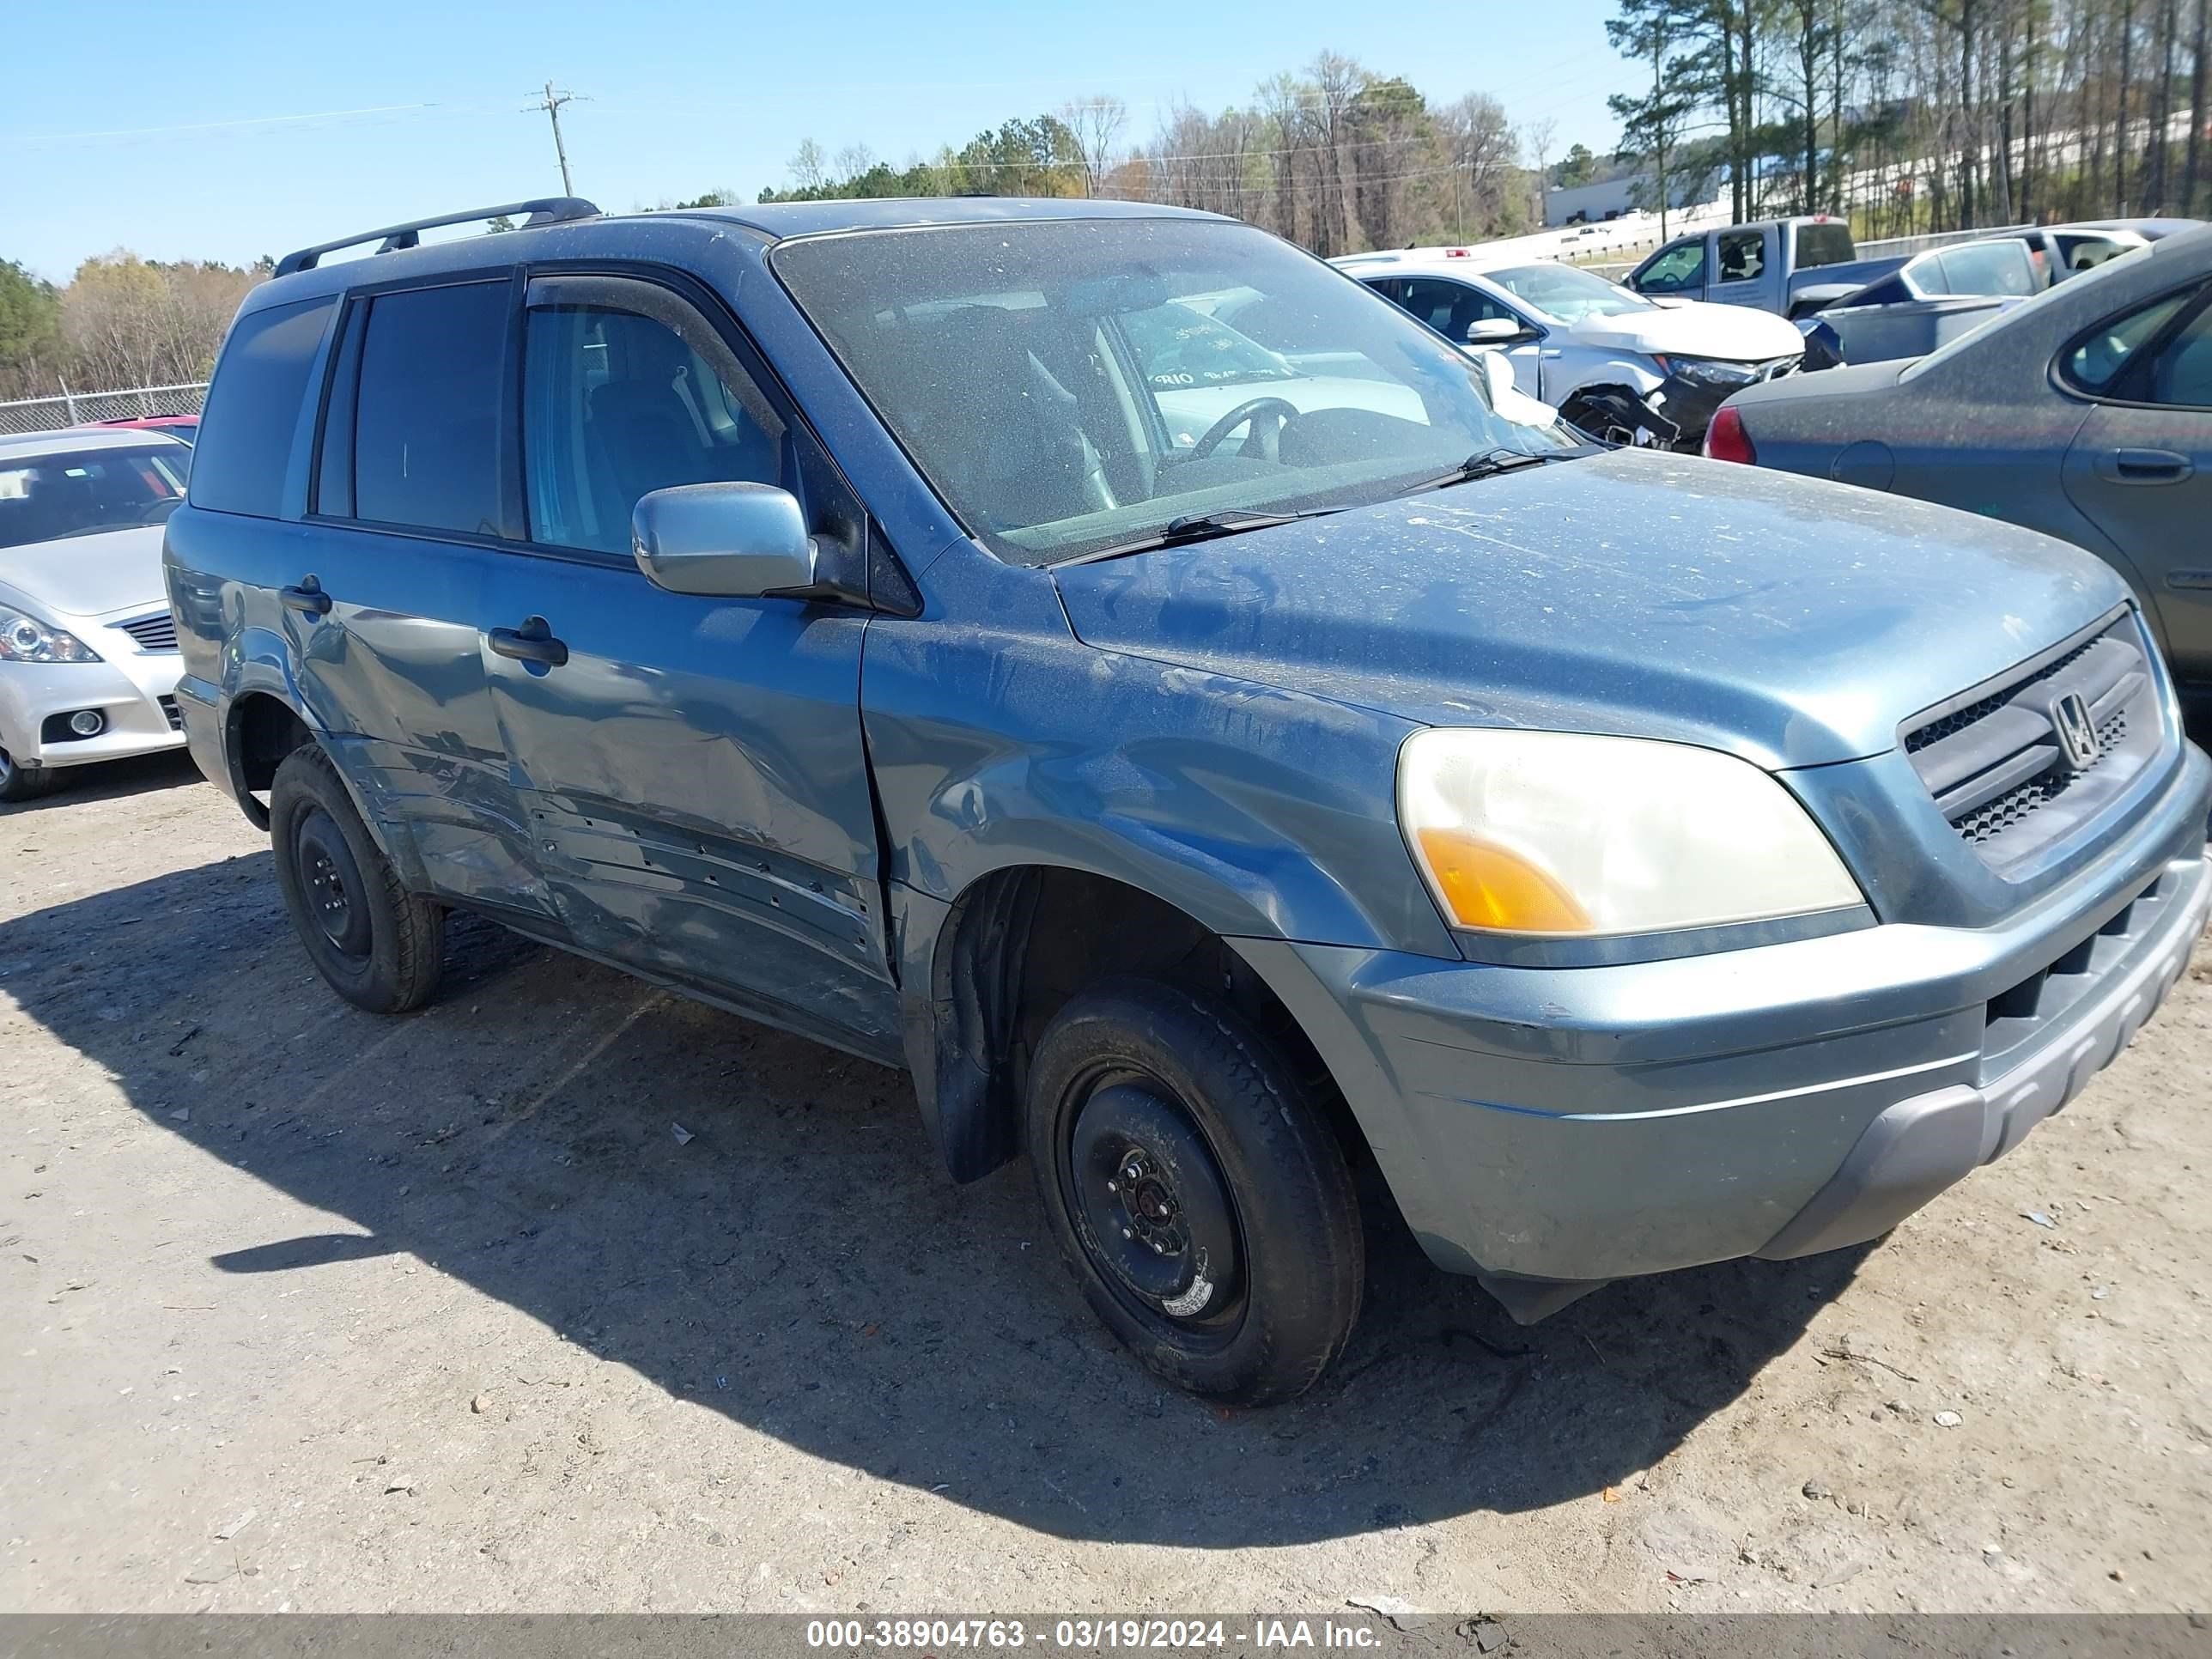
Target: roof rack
<point>545,211</point>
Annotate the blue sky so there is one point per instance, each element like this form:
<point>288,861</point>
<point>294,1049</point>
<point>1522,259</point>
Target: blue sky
<point>171,128</point>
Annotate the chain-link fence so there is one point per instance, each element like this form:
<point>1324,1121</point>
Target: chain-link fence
<point>78,408</point>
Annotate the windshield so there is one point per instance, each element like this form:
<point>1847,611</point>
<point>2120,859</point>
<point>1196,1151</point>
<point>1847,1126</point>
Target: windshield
<point>1178,346</point>
<point>1069,387</point>
<point>1566,292</point>
<point>45,498</point>
<point>2022,314</point>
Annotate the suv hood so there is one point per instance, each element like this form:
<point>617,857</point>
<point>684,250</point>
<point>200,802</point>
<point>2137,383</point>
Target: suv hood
<point>1694,329</point>
<point>1787,620</point>
<point>88,575</point>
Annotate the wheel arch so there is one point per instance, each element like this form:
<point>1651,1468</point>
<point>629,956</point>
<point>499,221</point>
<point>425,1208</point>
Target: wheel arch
<point>260,728</point>
<point>1010,951</point>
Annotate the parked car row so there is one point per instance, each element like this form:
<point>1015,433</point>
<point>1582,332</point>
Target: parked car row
<point>2085,413</point>
<point>1613,362</point>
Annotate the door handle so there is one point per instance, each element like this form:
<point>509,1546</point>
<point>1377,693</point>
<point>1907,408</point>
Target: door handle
<point>308,597</point>
<point>2144,466</point>
<point>531,642</point>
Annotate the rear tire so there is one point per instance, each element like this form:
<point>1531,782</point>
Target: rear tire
<point>1199,1196</point>
<point>380,946</point>
<point>24,783</point>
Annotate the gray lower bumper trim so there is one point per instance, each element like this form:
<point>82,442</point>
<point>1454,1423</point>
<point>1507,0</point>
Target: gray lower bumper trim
<point>1917,1147</point>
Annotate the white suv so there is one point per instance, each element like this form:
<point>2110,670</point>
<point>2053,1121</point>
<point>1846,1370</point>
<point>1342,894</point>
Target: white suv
<point>1610,361</point>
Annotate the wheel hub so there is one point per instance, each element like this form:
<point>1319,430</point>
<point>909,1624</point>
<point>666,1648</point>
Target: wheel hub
<point>1158,1217</point>
<point>332,883</point>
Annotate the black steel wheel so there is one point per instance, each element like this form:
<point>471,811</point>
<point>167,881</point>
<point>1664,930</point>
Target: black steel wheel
<point>1199,1197</point>
<point>378,944</point>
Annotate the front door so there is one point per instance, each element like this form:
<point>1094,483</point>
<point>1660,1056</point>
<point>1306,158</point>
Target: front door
<point>692,768</point>
<point>1677,272</point>
<point>2140,466</point>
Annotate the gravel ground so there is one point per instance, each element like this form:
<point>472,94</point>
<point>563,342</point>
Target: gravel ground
<point>303,1308</point>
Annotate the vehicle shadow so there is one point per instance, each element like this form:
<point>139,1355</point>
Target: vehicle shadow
<point>800,1262</point>
<point>113,780</point>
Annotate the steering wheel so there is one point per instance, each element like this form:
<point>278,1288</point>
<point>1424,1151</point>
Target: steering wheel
<point>1265,441</point>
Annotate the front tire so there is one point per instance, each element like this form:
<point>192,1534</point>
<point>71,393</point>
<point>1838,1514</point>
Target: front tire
<point>23,782</point>
<point>1198,1195</point>
<point>380,946</point>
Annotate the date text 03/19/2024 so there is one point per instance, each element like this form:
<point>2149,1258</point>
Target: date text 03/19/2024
<point>1087,1635</point>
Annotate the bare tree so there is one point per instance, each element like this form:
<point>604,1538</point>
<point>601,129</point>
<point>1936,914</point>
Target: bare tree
<point>1096,124</point>
<point>1478,148</point>
<point>810,167</point>
<point>1538,135</point>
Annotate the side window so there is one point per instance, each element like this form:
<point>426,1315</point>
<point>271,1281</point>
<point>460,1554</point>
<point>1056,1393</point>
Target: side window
<point>253,409</point>
<point>426,420</point>
<point>2097,360</point>
<point>1928,276</point>
<point>1742,255</point>
<point>2181,373</point>
<point>616,404</point>
<point>1998,267</point>
<point>1448,307</point>
<point>1674,269</point>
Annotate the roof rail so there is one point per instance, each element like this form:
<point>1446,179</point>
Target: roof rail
<point>545,211</point>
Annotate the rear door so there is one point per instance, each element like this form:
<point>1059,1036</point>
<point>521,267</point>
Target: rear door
<point>2141,467</point>
<point>386,600</point>
<point>692,768</point>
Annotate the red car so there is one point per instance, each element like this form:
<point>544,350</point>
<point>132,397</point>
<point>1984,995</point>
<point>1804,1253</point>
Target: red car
<point>182,427</point>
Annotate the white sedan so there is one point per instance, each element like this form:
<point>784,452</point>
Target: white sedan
<point>1610,361</point>
<point>88,660</point>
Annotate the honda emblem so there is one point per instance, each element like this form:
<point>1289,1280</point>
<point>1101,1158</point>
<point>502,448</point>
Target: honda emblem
<point>2075,732</point>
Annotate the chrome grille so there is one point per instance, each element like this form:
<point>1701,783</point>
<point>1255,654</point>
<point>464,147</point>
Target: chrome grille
<point>156,633</point>
<point>1995,758</point>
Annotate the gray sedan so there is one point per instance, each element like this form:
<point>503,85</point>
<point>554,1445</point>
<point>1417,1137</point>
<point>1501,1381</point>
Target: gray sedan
<point>2086,412</point>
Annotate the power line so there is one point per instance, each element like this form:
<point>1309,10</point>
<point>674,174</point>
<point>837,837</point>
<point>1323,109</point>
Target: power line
<point>550,103</point>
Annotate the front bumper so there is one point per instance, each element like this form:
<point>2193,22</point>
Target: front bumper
<point>135,692</point>
<point>1550,1129</point>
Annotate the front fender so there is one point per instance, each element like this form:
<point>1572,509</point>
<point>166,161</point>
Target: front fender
<point>1008,745</point>
<point>1257,811</point>
<point>1623,369</point>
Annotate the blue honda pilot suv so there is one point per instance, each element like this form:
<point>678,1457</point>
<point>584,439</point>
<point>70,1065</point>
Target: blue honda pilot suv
<point>1117,667</point>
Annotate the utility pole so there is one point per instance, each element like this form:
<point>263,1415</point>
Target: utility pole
<point>550,103</point>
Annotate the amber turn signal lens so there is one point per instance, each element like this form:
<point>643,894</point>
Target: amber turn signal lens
<point>1487,886</point>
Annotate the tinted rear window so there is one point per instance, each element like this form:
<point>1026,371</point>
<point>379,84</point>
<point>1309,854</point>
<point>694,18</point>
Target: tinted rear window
<point>426,426</point>
<point>1825,245</point>
<point>253,409</point>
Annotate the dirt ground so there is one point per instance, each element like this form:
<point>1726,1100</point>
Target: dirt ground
<point>301,1309</point>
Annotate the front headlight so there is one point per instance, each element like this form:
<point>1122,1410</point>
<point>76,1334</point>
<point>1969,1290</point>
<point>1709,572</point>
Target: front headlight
<point>25,639</point>
<point>1709,371</point>
<point>1561,833</point>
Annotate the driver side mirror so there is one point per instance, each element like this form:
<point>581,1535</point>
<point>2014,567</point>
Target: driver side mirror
<point>1497,331</point>
<point>728,541</point>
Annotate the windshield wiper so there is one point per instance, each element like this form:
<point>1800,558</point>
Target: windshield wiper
<point>1199,527</point>
<point>1488,464</point>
